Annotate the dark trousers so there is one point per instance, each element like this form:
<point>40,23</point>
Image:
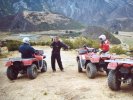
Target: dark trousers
<point>55,57</point>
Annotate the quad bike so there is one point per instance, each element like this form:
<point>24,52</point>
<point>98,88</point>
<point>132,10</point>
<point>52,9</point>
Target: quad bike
<point>29,66</point>
<point>121,70</point>
<point>89,59</point>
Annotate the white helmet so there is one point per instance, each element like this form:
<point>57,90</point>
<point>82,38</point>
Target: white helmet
<point>102,37</point>
<point>26,40</point>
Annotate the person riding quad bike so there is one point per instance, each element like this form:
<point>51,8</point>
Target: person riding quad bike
<point>30,63</point>
<point>105,44</point>
<point>93,62</point>
<point>26,50</point>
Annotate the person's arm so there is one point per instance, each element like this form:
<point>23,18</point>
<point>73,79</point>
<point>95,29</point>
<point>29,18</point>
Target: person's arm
<point>64,45</point>
<point>19,49</point>
<point>52,44</point>
<point>32,50</point>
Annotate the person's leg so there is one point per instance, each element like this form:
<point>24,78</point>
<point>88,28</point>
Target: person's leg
<point>58,57</point>
<point>53,62</point>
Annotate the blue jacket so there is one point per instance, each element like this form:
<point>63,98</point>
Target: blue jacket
<point>26,51</point>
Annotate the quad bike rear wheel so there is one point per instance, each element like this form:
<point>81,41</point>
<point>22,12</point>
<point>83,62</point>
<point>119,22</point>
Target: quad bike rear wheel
<point>114,82</point>
<point>44,68</point>
<point>32,71</point>
<point>79,67</point>
<point>11,73</point>
<point>91,70</point>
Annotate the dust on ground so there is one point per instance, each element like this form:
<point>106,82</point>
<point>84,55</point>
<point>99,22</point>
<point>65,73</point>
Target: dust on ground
<point>68,85</point>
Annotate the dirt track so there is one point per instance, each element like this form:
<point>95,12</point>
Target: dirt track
<point>68,85</point>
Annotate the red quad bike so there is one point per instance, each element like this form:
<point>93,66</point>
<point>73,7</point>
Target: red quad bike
<point>121,70</point>
<point>29,66</point>
<point>91,61</point>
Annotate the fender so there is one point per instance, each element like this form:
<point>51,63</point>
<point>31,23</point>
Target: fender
<point>9,63</point>
<point>112,65</point>
<point>82,60</point>
<point>27,62</point>
<point>94,59</point>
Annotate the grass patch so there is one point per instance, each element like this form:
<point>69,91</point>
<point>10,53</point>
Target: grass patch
<point>118,50</point>
<point>80,41</point>
<point>3,55</point>
<point>13,45</point>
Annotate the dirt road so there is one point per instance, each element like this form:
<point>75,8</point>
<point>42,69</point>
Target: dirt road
<point>68,85</point>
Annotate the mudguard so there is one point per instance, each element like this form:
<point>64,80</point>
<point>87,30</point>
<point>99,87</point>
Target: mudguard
<point>95,58</point>
<point>82,60</point>
<point>112,65</point>
<point>9,63</point>
<point>27,62</point>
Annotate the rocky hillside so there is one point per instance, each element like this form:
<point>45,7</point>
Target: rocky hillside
<point>94,32</point>
<point>37,21</point>
<point>110,14</point>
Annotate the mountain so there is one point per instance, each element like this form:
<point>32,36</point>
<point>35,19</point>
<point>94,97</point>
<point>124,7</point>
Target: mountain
<point>94,32</point>
<point>37,21</point>
<point>104,13</point>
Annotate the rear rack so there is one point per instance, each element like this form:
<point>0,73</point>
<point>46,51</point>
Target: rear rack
<point>126,61</point>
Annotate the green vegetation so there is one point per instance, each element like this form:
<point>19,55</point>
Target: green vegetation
<point>72,43</point>
<point>13,45</point>
<point>43,43</point>
<point>118,50</point>
<point>3,55</point>
<point>71,34</point>
<point>80,41</point>
<point>131,51</point>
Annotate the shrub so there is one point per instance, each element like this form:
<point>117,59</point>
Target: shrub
<point>69,43</point>
<point>3,55</point>
<point>131,51</point>
<point>117,50</point>
<point>80,41</point>
<point>13,45</point>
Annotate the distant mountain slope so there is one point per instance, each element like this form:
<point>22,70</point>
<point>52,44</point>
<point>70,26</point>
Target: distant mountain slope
<point>103,13</point>
<point>94,32</point>
<point>37,21</point>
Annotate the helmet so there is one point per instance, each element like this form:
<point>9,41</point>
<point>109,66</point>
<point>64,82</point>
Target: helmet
<point>102,37</point>
<point>26,40</point>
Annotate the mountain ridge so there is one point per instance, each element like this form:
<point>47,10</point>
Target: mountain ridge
<point>89,12</point>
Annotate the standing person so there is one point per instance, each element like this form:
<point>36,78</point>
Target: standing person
<point>25,49</point>
<point>104,44</point>
<point>57,45</point>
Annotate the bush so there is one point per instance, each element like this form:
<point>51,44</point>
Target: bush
<point>13,45</point>
<point>69,43</point>
<point>3,55</point>
<point>117,50</point>
<point>80,42</point>
<point>131,51</point>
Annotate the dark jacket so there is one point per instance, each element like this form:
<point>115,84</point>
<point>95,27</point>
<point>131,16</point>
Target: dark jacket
<point>57,46</point>
<point>26,51</point>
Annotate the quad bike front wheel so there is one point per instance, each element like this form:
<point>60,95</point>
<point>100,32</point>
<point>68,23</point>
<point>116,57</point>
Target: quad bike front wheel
<point>32,71</point>
<point>114,82</point>
<point>44,68</point>
<point>91,70</point>
<point>11,73</point>
<point>79,67</point>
